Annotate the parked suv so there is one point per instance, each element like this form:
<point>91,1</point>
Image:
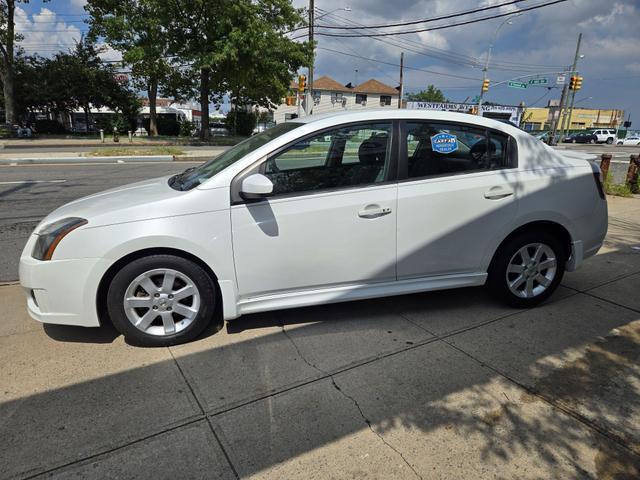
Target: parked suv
<point>607,135</point>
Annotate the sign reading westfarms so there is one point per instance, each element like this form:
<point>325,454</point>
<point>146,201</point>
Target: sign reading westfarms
<point>501,112</point>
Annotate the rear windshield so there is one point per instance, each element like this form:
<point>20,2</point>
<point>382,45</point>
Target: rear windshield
<point>193,177</point>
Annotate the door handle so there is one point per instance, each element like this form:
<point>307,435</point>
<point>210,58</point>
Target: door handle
<point>496,193</point>
<point>373,211</point>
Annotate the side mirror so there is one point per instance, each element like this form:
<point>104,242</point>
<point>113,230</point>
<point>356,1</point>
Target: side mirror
<point>256,186</point>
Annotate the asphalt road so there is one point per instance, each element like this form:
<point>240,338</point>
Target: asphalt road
<point>28,193</point>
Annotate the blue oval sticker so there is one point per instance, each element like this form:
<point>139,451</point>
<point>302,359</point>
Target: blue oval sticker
<point>444,143</point>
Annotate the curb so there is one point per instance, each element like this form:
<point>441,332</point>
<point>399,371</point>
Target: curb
<point>62,160</point>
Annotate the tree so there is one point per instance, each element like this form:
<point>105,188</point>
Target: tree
<point>431,94</point>
<point>7,69</point>
<point>237,46</point>
<point>136,29</point>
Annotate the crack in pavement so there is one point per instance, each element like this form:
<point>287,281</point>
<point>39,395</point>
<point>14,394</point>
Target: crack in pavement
<point>204,414</point>
<point>353,400</point>
<point>532,391</point>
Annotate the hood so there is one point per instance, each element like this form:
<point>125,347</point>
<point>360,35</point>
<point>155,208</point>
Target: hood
<point>144,200</point>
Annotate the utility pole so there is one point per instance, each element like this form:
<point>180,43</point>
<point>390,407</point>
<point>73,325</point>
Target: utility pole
<point>573,92</point>
<point>401,80</point>
<point>555,121</point>
<point>313,59</point>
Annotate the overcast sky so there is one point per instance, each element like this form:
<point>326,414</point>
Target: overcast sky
<point>537,41</point>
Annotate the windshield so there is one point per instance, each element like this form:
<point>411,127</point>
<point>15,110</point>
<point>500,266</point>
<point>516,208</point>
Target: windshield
<point>192,177</point>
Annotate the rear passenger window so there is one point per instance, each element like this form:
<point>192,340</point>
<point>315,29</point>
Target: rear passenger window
<point>444,149</point>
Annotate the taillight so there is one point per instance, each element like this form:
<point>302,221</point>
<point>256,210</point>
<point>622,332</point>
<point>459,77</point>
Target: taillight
<point>597,176</point>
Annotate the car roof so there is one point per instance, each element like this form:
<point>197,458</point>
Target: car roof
<point>329,119</point>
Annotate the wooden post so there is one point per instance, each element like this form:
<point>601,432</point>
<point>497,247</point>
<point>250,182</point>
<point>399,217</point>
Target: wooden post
<point>605,162</point>
<point>632,173</point>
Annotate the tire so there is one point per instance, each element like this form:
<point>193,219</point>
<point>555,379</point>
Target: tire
<point>609,141</point>
<point>169,298</point>
<point>509,254</point>
<point>573,140</point>
<point>592,141</point>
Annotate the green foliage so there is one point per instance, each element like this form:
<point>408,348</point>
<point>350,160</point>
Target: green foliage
<point>431,94</point>
<point>241,122</point>
<point>186,128</point>
<point>619,190</point>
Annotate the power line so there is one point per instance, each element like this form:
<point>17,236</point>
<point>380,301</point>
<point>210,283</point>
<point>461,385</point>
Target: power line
<point>427,20</point>
<point>447,55</point>
<point>441,27</point>
<point>398,65</point>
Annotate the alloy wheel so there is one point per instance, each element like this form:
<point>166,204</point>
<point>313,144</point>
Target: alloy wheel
<point>531,270</point>
<point>162,302</point>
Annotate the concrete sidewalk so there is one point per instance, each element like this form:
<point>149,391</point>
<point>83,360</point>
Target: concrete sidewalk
<point>437,385</point>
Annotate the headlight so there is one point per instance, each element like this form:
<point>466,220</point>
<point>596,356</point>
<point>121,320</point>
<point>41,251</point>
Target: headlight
<point>49,237</point>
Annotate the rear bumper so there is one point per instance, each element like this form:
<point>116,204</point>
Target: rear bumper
<point>61,291</point>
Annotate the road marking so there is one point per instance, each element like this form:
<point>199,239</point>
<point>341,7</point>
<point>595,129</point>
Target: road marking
<point>33,181</point>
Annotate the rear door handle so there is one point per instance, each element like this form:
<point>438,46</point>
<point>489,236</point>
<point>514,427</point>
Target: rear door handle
<point>373,211</point>
<point>496,193</point>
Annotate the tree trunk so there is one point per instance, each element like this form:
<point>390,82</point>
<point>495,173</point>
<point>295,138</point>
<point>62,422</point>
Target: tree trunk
<point>152,93</point>
<point>7,67</point>
<point>86,117</point>
<point>204,104</point>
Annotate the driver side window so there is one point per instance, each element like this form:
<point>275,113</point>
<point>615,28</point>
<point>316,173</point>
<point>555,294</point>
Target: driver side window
<point>435,149</point>
<point>352,155</point>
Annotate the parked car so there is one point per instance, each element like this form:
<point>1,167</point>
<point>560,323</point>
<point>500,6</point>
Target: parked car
<point>605,135</point>
<point>633,140</point>
<point>582,137</point>
<point>544,137</point>
<point>396,202</point>
<point>218,129</point>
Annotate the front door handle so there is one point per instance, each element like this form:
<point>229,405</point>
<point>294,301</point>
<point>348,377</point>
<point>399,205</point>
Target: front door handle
<point>373,211</point>
<point>496,193</point>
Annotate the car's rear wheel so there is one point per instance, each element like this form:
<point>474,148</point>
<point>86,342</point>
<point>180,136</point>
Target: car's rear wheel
<point>161,300</point>
<point>609,141</point>
<point>527,269</point>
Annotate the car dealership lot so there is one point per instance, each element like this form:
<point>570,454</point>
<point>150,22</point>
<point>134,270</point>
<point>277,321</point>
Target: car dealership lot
<point>436,385</point>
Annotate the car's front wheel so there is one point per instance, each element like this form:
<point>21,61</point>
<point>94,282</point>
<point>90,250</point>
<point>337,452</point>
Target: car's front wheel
<point>161,300</point>
<point>527,269</point>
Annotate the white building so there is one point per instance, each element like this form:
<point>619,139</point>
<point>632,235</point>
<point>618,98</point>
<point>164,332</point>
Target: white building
<point>331,96</point>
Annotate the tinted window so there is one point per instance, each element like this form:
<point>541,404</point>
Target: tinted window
<point>339,158</point>
<point>441,149</point>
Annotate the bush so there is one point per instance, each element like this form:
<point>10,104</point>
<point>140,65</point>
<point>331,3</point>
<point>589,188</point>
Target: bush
<point>186,128</point>
<point>48,126</point>
<point>246,122</point>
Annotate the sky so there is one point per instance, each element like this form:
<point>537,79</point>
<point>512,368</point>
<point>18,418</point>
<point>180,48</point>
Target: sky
<point>535,42</point>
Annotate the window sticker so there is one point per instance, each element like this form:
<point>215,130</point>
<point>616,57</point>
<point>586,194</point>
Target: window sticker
<point>444,143</point>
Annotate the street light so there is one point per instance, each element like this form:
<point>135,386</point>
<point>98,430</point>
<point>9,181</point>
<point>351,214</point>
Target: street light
<point>506,21</point>
<point>583,100</point>
<point>345,9</point>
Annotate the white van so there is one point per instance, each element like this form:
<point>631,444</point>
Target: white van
<point>607,135</point>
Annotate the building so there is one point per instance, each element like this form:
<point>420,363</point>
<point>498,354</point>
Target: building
<point>331,96</point>
<point>539,119</point>
<point>508,113</point>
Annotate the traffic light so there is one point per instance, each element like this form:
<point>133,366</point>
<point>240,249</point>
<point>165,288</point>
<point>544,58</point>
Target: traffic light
<point>575,83</point>
<point>578,84</point>
<point>302,83</point>
<point>485,85</point>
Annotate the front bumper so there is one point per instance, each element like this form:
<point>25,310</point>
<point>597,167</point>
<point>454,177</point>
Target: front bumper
<point>61,291</point>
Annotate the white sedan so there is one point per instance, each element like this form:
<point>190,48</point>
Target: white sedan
<point>635,140</point>
<point>318,210</point>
